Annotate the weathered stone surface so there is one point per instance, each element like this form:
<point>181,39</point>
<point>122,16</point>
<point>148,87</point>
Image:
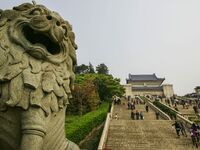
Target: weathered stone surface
<point>37,59</point>
<point>48,80</point>
<point>35,65</point>
<point>31,80</point>
<point>16,84</point>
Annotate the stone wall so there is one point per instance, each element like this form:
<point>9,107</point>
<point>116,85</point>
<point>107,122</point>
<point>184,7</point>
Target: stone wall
<point>145,83</point>
<point>146,92</point>
<point>130,93</point>
<point>168,90</point>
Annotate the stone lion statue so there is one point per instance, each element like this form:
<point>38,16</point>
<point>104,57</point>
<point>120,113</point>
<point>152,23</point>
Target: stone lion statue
<point>37,59</point>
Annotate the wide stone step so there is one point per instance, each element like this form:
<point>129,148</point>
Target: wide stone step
<point>147,134</point>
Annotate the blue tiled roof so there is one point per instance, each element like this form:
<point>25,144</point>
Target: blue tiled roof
<point>144,77</point>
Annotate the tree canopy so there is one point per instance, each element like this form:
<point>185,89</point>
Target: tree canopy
<point>102,69</point>
<point>91,88</point>
<point>85,96</point>
<point>90,68</point>
<point>82,69</point>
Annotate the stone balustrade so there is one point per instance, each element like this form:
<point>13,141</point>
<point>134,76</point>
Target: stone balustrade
<point>105,129</point>
<point>161,113</point>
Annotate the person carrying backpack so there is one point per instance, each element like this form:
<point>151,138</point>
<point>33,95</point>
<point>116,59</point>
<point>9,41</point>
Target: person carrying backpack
<point>177,128</point>
<point>137,115</point>
<point>147,108</point>
<point>133,114</point>
<point>194,137</point>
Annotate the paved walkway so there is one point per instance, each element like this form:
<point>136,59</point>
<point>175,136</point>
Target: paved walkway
<point>190,109</point>
<point>147,134</point>
<point>182,110</point>
<point>125,113</point>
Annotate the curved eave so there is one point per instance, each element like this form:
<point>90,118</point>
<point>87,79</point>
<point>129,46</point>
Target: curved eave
<point>161,80</point>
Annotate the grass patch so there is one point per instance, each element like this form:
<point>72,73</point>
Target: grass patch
<point>92,142</point>
<point>77,127</point>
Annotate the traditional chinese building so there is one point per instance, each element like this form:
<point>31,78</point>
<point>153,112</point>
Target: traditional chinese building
<point>147,84</point>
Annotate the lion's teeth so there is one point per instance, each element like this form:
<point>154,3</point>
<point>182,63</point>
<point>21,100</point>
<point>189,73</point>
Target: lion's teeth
<point>41,45</point>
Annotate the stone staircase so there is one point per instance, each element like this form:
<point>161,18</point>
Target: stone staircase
<point>147,134</point>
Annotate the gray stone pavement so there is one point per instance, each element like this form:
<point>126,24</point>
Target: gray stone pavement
<point>190,109</point>
<point>182,110</point>
<point>147,134</point>
<point>125,113</point>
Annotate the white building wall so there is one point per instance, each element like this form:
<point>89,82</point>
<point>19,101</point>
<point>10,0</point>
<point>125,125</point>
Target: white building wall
<point>130,93</point>
<point>144,93</point>
<point>128,90</point>
<point>168,90</point>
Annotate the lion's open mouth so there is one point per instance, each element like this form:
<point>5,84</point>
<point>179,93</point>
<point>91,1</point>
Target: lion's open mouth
<point>37,38</point>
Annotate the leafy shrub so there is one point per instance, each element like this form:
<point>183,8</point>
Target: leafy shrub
<point>144,98</point>
<point>78,128</point>
<point>165,109</point>
<point>90,90</point>
<point>85,98</point>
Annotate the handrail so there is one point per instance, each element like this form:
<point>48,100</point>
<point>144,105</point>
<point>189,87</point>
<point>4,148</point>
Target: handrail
<point>180,117</point>
<point>111,110</point>
<point>161,113</point>
<point>140,99</point>
<point>186,122</point>
<point>105,129</point>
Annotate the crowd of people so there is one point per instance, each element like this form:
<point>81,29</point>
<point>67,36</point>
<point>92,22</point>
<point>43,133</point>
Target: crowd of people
<point>180,128</point>
<point>136,115</point>
<point>132,105</point>
<point>185,103</point>
<point>194,131</point>
<point>116,100</point>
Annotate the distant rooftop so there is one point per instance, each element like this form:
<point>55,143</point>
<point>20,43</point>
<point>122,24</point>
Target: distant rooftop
<point>144,77</point>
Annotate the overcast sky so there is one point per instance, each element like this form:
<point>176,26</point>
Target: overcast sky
<point>136,36</point>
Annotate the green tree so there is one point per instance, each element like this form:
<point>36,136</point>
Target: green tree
<point>81,69</point>
<point>102,69</point>
<point>85,95</point>
<point>91,88</point>
<point>108,86</point>
<point>90,68</point>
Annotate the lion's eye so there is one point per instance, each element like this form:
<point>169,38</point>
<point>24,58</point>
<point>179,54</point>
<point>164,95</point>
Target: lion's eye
<point>36,12</point>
